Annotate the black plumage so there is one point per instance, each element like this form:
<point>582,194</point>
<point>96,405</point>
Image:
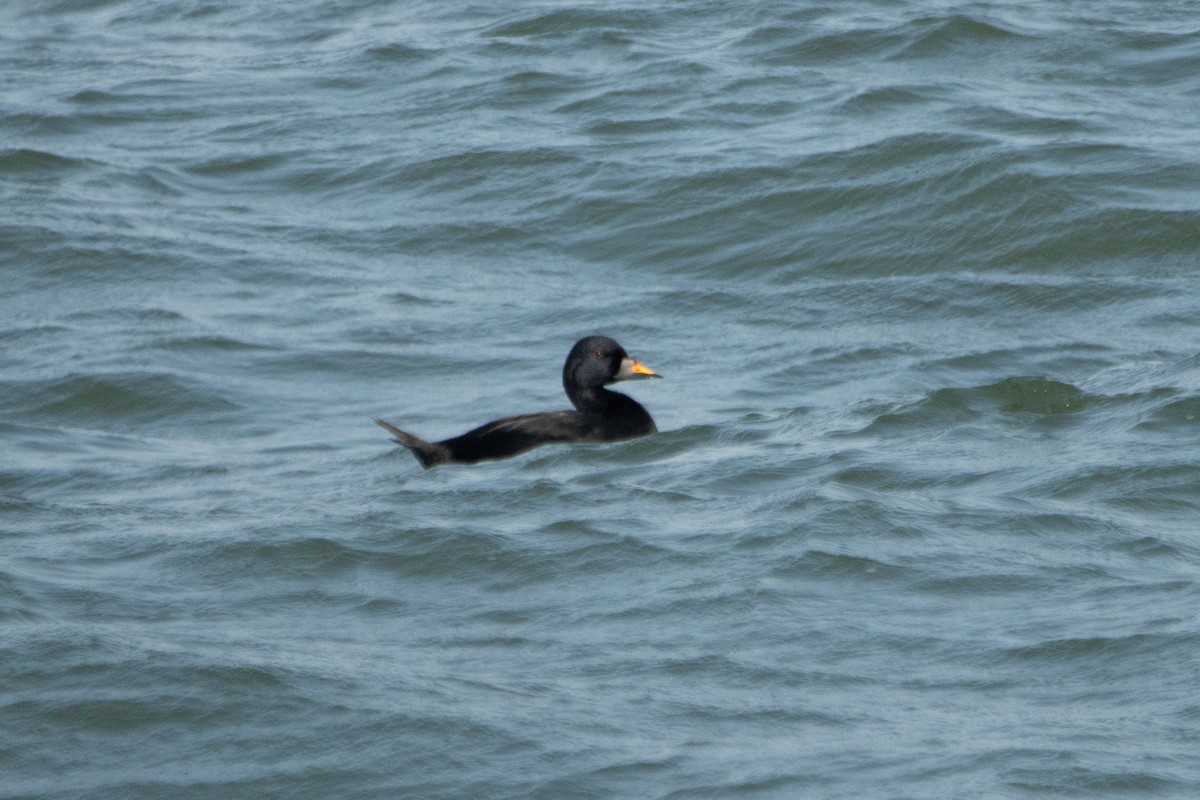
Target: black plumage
<point>600,415</point>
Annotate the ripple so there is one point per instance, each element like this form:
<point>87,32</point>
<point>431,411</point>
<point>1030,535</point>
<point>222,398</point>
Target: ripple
<point>581,25</point>
<point>944,408</point>
<point>399,51</point>
<point>125,398</point>
<point>23,161</point>
<point>1076,648</point>
<point>922,281</point>
<point>238,166</point>
<point>824,565</point>
<point>957,34</point>
<point>1178,416</point>
<point>1154,487</point>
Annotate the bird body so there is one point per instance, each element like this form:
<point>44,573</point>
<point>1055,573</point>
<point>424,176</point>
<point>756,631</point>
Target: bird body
<point>600,415</point>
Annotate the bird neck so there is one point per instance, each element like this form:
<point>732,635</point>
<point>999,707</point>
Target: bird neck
<point>593,399</point>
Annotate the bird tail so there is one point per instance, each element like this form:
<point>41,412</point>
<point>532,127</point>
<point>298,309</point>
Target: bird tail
<point>428,453</point>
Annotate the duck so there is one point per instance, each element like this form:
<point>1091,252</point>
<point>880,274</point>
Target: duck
<point>599,414</point>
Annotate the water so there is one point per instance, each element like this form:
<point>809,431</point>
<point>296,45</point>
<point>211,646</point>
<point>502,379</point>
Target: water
<point>921,519</point>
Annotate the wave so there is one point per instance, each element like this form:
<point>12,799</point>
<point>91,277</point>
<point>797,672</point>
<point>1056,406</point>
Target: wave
<point>128,398</point>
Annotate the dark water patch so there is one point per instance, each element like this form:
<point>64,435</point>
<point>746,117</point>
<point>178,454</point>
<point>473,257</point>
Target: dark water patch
<point>65,7</point>
<point>343,84</point>
<point>436,239</point>
<point>1102,649</point>
<point>11,501</point>
<point>703,665</point>
<point>315,36</point>
<point>1153,547</point>
<point>117,715</point>
<point>102,589</point>
<point>1177,417</point>
<point>380,607</point>
<point>134,103</point>
<point>614,461</point>
<point>956,35</point>
<point>602,110</point>
<point>823,565</point>
<point>400,52</point>
<point>1159,487</point>
<point>1023,124</point>
<point>1147,178</point>
<point>121,398</point>
<point>465,170</point>
<point>1012,584</point>
<point>582,26</point>
<point>32,336</point>
<point>639,493</point>
<point>746,476</point>
<point>132,111</point>
<point>205,345</point>
<point>897,478</point>
<point>872,514</point>
<point>261,555</point>
<point>192,472</point>
<point>22,598</point>
<point>1112,236</point>
<point>1056,524</point>
<point>534,87</point>
<point>96,258</point>
<point>1081,781</point>
<point>924,171</point>
<point>96,97</point>
<point>1036,396</point>
<point>616,555</point>
<point>26,162</point>
<point>943,409</point>
<point>745,115</point>
<point>607,779</point>
<point>638,127</point>
<point>408,298</point>
<point>156,316</point>
<point>336,178</point>
<point>1157,41</point>
<point>1159,58</point>
<point>43,472</point>
<point>453,554</point>
<point>153,181</point>
<point>881,100</point>
<point>33,240</point>
<point>780,213</point>
<point>752,427</point>
<point>240,167</point>
<point>769,786</point>
<point>781,46</point>
<point>895,163</point>
<point>39,124</point>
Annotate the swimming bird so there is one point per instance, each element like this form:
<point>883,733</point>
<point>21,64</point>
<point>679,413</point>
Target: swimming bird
<point>600,415</point>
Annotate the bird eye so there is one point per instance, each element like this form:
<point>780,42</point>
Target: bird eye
<point>598,354</point>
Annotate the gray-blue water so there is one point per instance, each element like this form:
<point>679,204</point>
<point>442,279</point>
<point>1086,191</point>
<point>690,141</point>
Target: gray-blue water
<point>922,517</point>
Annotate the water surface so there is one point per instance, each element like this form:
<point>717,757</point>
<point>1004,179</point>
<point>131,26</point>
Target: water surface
<point>921,518</point>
